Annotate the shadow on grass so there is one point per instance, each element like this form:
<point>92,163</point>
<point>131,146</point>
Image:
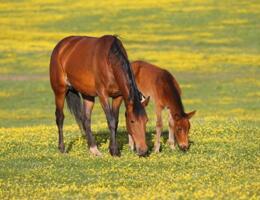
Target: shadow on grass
<point>122,139</point>
<point>103,137</point>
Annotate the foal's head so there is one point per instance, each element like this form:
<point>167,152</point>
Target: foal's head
<point>181,127</point>
<point>136,120</point>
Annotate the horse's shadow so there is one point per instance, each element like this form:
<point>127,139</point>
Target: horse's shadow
<point>102,137</point>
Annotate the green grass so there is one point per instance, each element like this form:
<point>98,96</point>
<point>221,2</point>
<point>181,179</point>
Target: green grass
<point>211,47</point>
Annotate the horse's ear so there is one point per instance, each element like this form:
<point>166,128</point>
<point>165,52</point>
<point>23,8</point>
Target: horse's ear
<point>146,101</point>
<point>176,117</point>
<point>190,115</point>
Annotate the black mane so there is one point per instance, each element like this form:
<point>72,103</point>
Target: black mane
<point>135,95</point>
<point>174,95</point>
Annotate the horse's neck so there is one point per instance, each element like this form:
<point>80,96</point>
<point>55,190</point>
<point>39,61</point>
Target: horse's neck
<point>123,72</point>
<point>127,86</point>
<point>175,104</point>
<point>127,96</point>
<point>124,87</point>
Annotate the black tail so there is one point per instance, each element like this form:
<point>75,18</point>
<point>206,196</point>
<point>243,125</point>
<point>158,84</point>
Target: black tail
<point>118,50</point>
<point>75,105</point>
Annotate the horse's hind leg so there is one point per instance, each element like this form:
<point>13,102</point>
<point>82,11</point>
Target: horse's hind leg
<point>171,140</point>
<point>59,101</point>
<point>88,104</point>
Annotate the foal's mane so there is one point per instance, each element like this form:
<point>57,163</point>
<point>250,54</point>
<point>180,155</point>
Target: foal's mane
<point>135,95</point>
<point>174,92</point>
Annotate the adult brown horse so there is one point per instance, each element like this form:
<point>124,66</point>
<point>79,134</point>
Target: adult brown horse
<point>162,87</point>
<point>93,67</point>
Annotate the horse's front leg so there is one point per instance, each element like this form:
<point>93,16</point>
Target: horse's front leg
<point>116,103</point>
<point>171,139</point>
<point>111,120</point>
<point>159,126</point>
<point>116,106</point>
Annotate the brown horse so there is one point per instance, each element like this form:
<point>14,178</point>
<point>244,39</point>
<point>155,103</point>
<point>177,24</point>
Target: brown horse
<point>162,87</point>
<point>93,67</point>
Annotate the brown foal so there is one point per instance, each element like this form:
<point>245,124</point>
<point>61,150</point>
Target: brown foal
<point>90,67</point>
<point>162,87</point>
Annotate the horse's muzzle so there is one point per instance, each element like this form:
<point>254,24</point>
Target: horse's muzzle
<point>142,152</point>
<point>184,147</point>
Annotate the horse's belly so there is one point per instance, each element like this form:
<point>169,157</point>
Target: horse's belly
<point>114,92</point>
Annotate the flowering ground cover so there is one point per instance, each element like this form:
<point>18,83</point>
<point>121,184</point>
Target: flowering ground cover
<point>213,50</point>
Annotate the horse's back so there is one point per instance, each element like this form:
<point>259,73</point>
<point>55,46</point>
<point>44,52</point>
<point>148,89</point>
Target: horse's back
<point>83,49</point>
<point>81,59</point>
<point>153,80</point>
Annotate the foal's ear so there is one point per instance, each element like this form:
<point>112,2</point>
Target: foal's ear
<point>146,101</point>
<point>176,117</point>
<point>190,115</point>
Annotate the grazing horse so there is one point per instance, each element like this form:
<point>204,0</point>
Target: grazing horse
<point>94,67</point>
<point>162,87</point>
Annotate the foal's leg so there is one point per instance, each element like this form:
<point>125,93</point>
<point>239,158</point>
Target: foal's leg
<point>159,126</point>
<point>59,101</point>
<point>131,142</point>
<point>111,120</point>
<point>171,140</point>
<point>88,105</point>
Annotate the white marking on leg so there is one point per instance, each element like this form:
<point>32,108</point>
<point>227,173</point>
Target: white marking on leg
<point>171,144</point>
<point>157,148</point>
<point>159,126</point>
<point>94,150</point>
<point>171,139</point>
<point>157,140</point>
<point>131,142</point>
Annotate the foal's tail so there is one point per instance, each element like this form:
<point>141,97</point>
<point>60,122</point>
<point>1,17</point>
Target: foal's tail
<point>75,105</point>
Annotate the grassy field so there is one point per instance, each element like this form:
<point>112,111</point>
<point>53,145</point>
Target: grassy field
<point>211,47</point>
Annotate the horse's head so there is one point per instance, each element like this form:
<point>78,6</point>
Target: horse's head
<point>181,129</point>
<point>136,125</point>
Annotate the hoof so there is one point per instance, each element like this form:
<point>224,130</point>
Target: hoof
<point>62,148</point>
<point>171,144</point>
<point>94,151</point>
<point>172,147</point>
<point>114,151</point>
<point>157,149</point>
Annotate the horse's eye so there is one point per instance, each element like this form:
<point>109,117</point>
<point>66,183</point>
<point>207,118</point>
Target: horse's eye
<point>132,121</point>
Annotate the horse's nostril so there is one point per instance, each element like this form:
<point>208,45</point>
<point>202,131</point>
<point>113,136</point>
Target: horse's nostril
<point>184,147</point>
<point>142,153</point>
